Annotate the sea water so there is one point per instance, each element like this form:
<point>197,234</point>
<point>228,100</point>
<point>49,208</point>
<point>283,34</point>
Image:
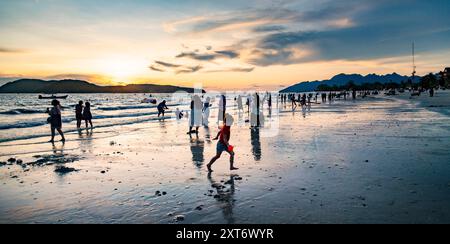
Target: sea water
<point>23,116</point>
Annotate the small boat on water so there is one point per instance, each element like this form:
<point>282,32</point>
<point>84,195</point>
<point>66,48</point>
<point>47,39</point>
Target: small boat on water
<point>53,97</point>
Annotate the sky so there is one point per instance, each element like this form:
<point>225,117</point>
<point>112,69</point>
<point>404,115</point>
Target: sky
<point>220,45</point>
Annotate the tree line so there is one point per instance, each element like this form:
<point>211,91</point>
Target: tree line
<point>426,82</point>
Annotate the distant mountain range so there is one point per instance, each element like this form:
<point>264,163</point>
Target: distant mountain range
<point>80,86</point>
<point>343,79</point>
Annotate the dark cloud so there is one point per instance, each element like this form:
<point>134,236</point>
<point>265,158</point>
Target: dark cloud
<point>285,39</point>
<point>269,28</point>
<point>152,67</point>
<point>324,11</point>
<point>228,53</point>
<point>209,56</point>
<point>330,30</point>
<point>185,70</point>
<point>161,66</point>
<point>243,70</point>
<point>169,65</point>
<point>370,38</point>
<point>196,56</point>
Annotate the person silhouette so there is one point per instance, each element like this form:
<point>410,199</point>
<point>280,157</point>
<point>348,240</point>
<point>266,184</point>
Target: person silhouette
<point>79,113</point>
<point>87,115</point>
<point>161,108</point>
<point>55,120</point>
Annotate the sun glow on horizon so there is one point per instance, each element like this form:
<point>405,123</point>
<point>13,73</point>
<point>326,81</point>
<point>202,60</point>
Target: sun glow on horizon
<point>121,69</point>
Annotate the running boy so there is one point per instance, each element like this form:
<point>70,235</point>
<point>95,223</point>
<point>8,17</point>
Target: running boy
<point>223,143</point>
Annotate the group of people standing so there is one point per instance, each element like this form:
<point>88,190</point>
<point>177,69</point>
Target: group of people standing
<point>200,111</point>
<point>302,99</point>
<point>82,112</point>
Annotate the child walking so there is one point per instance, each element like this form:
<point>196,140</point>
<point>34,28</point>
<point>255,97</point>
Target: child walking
<point>223,143</point>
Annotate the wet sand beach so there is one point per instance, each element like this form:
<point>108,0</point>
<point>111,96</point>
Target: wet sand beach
<point>377,160</point>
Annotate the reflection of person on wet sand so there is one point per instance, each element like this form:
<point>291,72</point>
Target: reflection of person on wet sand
<point>256,144</point>
<point>197,149</point>
<point>223,143</point>
<point>225,197</point>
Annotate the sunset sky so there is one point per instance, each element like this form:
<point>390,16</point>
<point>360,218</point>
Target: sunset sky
<point>232,44</point>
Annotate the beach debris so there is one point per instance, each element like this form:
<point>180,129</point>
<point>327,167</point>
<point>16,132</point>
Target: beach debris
<point>179,218</point>
<point>14,177</point>
<point>102,171</point>
<point>112,143</point>
<point>64,170</point>
<point>54,159</point>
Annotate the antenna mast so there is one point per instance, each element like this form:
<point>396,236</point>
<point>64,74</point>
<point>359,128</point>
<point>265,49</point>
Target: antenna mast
<point>414,62</point>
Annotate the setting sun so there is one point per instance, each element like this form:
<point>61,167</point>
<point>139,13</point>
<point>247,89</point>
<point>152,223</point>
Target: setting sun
<point>121,69</point>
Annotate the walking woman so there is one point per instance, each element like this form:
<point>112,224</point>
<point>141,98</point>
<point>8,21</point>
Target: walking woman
<point>55,120</point>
